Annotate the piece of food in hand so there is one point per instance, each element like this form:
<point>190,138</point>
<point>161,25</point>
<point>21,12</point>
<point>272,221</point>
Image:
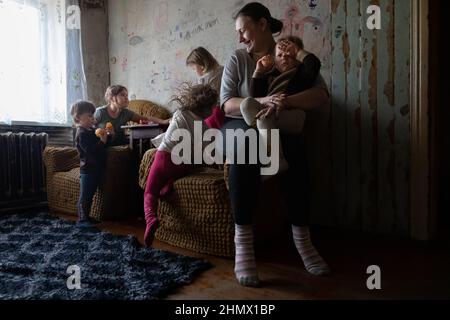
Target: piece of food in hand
<point>266,61</point>
<point>100,132</point>
<point>109,126</point>
<point>143,122</point>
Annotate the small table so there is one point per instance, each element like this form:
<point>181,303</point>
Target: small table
<point>143,131</point>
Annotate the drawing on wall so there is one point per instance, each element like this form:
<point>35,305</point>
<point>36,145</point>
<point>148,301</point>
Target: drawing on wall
<point>312,4</point>
<point>135,40</point>
<point>310,22</point>
<point>295,24</point>
<point>192,14</point>
<point>161,16</point>
<point>124,64</point>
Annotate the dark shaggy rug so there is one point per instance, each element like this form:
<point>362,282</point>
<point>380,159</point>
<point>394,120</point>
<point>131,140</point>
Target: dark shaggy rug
<point>36,251</point>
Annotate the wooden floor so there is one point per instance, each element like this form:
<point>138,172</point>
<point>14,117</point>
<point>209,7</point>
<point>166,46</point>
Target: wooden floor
<point>408,270</point>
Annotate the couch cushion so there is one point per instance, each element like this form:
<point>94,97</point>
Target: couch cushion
<point>61,159</point>
<point>148,109</point>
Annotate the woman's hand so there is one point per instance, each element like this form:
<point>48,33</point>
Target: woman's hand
<point>279,104</point>
<point>264,113</point>
<point>275,103</point>
<point>264,64</point>
<point>268,101</point>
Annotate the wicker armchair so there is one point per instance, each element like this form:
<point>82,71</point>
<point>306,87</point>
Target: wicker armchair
<point>118,196</point>
<point>113,200</point>
<point>197,214</point>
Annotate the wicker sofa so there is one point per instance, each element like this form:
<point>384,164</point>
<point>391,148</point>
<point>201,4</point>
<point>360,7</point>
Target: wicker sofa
<point>197,214</point>
<point>118,196</point>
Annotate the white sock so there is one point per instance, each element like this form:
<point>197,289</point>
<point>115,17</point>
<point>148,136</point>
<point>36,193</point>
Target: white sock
<point>245,265</point>
<point>311,258</point>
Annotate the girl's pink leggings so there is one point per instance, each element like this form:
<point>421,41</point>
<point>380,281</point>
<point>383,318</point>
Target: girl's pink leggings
<point>163,173</point>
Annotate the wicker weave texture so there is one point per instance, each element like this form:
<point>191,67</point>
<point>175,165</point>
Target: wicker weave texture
<point>148,109</point>
<point>197,214</point>
<point>144,167</point>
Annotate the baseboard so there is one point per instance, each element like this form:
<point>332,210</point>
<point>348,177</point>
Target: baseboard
<point>14,206</point>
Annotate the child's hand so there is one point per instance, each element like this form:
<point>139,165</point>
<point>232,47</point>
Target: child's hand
<point>104,138</point>
<point>166,121</point>
<point>102,134</point>
<point>264,64</point>
<point>110,129</point>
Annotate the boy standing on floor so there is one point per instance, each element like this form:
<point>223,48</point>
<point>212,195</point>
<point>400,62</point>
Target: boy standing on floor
<point>91,146</point>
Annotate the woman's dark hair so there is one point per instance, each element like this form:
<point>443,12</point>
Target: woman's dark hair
<point>256,11</point>
<point>202,57</point>
<point>295,40</point>
<point>198,99</point>
<point>81,107</point>
<point>113,91</point>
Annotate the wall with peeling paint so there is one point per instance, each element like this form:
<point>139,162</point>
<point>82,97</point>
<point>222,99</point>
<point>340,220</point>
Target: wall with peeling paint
<point>358,145</point>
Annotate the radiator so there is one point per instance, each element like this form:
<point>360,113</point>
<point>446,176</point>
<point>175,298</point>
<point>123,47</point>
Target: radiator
<point>22,174</point>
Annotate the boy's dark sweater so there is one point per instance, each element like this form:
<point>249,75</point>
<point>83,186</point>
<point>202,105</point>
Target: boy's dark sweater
<point>92,151</point>
<point>302,79</point>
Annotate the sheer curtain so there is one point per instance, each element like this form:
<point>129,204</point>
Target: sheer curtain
<point>41,65</point>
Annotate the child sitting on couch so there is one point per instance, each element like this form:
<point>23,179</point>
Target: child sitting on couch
<point>196,105</point>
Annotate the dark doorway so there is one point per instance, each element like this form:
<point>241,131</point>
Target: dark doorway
<point>440,116</point>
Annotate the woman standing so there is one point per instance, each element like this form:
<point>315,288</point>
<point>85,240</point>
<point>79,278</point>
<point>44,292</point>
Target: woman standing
<point>255,27</point>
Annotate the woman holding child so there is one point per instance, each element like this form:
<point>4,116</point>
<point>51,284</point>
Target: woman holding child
<point>285,108</point>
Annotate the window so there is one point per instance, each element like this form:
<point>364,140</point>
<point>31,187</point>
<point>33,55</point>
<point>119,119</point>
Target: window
<point>34,64</point>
